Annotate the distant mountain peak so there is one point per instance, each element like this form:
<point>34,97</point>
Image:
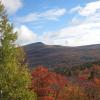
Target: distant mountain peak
<point>39,43</point>
<point>52,55</point>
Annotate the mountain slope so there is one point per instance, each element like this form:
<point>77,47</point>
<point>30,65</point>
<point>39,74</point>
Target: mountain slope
<point>55,55</point>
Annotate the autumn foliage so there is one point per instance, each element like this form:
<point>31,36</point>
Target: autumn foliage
<point>52,86</point>
<point>47,84</point>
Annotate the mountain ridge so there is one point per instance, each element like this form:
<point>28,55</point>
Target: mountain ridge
<point>55,55</point>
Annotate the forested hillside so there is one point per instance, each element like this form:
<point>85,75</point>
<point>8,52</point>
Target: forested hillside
<point>61,56</point>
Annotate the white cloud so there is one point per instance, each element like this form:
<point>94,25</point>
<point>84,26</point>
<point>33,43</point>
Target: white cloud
<point>84,31</point>
<point>78,8</point>
<point>88,10</point>
<point>12,5</point>
<point>82,34</point>
<point>52,14</point>
<point>25,36</point>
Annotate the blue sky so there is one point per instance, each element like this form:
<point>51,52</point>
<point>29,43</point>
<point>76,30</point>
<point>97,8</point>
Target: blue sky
<point>61,22</point>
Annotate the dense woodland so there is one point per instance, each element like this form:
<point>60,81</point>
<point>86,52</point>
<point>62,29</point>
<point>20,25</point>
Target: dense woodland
<point>18,82</point>
<point>77,85</point>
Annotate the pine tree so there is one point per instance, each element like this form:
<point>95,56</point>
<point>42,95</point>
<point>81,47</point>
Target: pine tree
<point>15,78</point>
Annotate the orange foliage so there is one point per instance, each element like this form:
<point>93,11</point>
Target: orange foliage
<point>97,82</point>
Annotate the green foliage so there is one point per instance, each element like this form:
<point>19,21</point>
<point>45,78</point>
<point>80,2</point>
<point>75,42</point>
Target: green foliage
<point>15,78</point>
<point>63,70</point>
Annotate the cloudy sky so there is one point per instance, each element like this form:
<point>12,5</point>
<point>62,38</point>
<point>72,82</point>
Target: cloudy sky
<point>61,22</point>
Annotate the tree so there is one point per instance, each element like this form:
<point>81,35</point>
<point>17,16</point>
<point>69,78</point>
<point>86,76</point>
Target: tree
<point>47,84</point>
<point>92,74</point>
<point>73,92</point>
<point>15,78</point>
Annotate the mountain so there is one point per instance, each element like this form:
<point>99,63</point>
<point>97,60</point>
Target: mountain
<point>63,56</point>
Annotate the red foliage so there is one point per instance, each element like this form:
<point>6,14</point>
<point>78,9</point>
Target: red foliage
<point>47,83</point>
<point>46,98</point>
<point>82,78</point>
<point>50,86</point>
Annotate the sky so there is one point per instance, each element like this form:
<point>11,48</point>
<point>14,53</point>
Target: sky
<point>55,22</point>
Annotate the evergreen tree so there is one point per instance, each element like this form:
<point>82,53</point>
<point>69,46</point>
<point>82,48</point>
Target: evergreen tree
<point>15,78</point>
